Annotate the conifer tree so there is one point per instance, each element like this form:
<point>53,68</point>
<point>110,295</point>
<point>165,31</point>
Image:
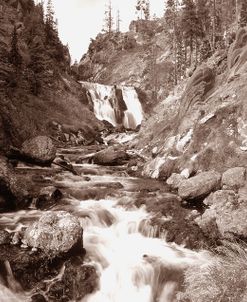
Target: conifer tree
<point>147,10</point>
<point>243,14</point>
<point>108,24</point>
<point>118,20</point>
<point>190,25</point>
<point>143,7</point>
<point>14,55</point>
<point>50,24</point>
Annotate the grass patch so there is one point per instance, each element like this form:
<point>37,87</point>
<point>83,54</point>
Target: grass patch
<point>223,280</point>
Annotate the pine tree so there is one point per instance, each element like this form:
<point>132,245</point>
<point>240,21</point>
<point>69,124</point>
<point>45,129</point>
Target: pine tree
<point>171,18</point>
<point>243,14</point>
<point>108,22</point>
<point>55,47</point>
<point>118,20</point>
<point>143,7</point>
<point>190,25</point>
<point>147,10</point>
<point>50,23</point>
<point>15,57</point>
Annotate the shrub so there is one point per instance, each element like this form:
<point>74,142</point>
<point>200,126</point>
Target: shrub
<point>223,280</point>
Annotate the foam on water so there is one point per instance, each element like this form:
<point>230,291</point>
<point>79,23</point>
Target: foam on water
<point>133,267</point>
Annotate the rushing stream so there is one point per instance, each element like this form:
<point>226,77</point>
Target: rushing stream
<point>118,237</point>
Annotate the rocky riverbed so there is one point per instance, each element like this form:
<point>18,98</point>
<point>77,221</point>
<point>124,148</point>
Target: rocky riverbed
<point>47,250</point>
<point>68,223</point>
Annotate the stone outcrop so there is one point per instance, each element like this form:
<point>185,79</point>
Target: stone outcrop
<point>226,216</point>
<point>234,178</point>
<point>199,186</point>
<point>54,233</point>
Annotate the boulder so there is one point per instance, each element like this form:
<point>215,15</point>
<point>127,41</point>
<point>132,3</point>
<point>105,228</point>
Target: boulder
<point>226,216</point>
<point>13,190</point>
<point>174,180</point>
<point>199,186</point>
<point>111,157</point>
<point>54,233</point>
<point>77,281</point>
<point>234,178</point>
<point>39,150</point>
<point>48,196</point>
<point>4,237</point>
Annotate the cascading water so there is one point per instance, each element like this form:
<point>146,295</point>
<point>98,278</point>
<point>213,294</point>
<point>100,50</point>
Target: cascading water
<point>120,242</point>
<point>132,266</point>
<point>116,105</point>
<point>133,115</point>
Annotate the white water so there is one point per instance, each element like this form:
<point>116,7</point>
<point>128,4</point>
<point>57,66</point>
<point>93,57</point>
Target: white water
<point>101,96</point>
<point>132,267</point>
<point>104,101</point>
<point>118,238</point>
<point>133,116</point>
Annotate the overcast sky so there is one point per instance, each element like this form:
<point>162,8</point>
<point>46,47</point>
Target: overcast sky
<point>80,20</point>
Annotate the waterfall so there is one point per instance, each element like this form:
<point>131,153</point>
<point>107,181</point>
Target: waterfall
<point>118,105</point>
<point>133,115</point>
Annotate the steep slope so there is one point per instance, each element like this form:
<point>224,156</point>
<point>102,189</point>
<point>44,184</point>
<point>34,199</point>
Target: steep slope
<point>196,141</point>
<point>36,88</point>
<point>140,57</point>
<point>203,125</point>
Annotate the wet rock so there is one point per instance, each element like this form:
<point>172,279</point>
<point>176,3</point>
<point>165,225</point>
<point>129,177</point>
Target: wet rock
<point>14,192</point>
<point>65,164</point>
<point>48,196</point>
<point>4,237</point>
<point>226,216</point>
<point>39,150</point>
<point>166,169</point>
<point>171,220</point>
<point>54,233</point>
<point>77,281</point>
<point>174,181</point>
<point>111,157</point>
<point>234,178</point>
<point>38,298</point>
<point>199,186</point>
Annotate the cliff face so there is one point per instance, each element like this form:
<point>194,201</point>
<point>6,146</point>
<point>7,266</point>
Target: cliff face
<point>36,87</point>
<point>202,124</point>
<point>140,58</point>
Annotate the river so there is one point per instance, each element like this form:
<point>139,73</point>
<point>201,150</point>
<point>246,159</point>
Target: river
<point>132,258</point>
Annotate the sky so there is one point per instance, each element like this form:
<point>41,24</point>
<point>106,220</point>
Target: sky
<point>81,20</point>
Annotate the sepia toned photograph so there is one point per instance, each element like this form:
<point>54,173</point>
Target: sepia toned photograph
<point>123,150</point>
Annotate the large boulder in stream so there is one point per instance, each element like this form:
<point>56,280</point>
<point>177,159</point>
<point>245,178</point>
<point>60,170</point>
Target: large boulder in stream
<point>199,186</point>
<point>39,150</point>
<point>54,233</point>
<point>111,157</point>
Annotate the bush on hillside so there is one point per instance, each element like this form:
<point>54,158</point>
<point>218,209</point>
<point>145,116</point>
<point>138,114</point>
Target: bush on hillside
<point>224,280</point>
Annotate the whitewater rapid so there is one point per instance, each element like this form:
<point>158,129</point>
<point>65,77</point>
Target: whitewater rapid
<point>132,266</point>
<point>119,239</point>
